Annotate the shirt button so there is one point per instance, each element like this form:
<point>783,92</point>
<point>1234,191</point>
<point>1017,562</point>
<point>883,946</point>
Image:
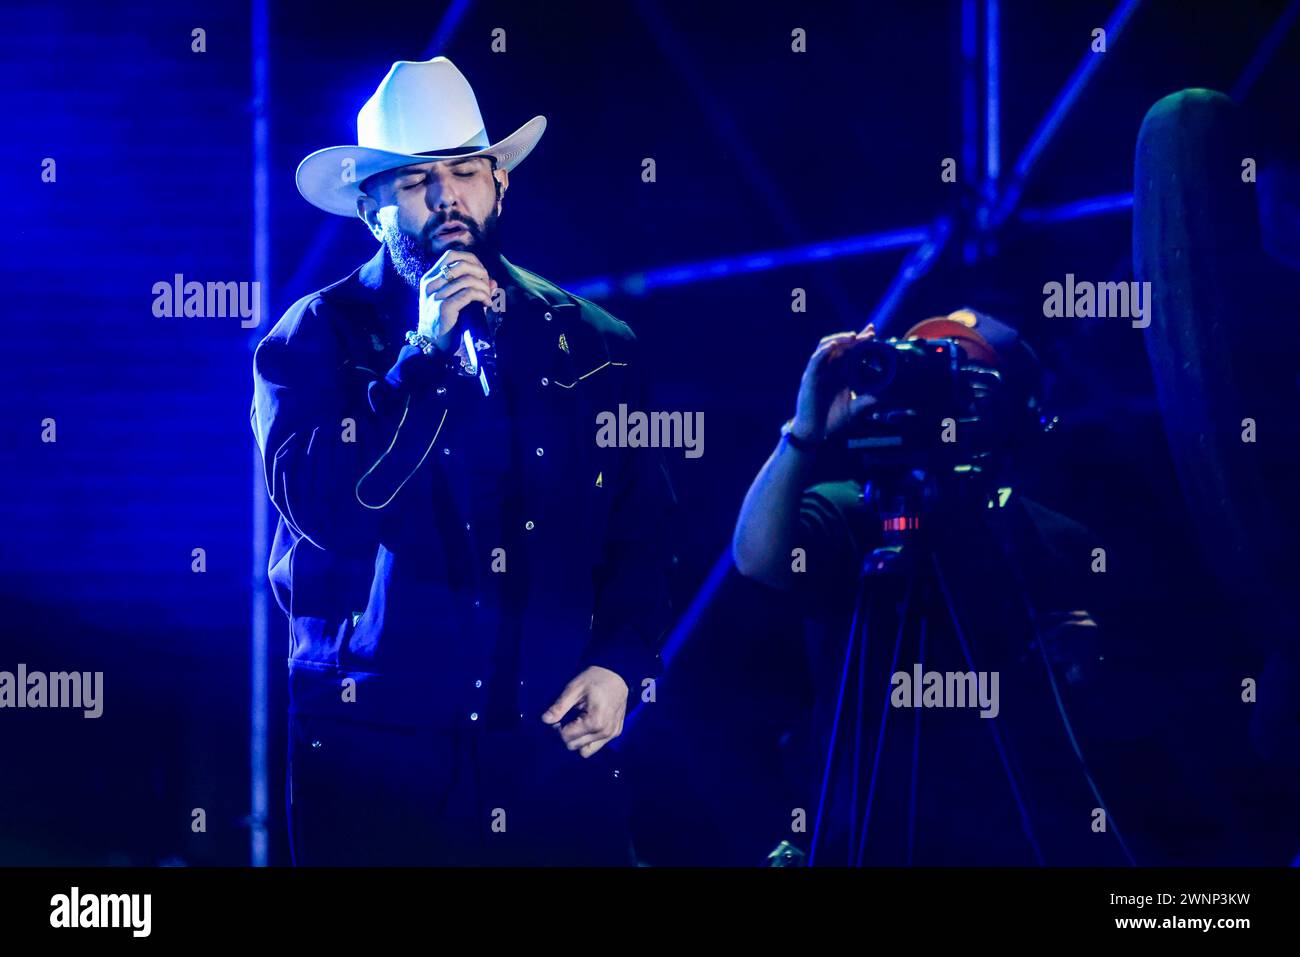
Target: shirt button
<point>478,682</point>
<point>539,451</point>
<point>545,381</point>
<point>548,317</point>
<point>441,390</point>
<point>473,715</point>
<point>446,451</point>
<point>476,603</point>
<point>467,526</point>
<point>529,525</point>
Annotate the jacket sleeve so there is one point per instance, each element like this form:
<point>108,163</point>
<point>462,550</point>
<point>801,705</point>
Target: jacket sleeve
<point>338,441</point>
<point>633,601</point>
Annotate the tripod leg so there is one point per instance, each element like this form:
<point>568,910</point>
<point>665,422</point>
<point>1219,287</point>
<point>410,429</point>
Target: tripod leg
<point>1025,822</point>
<point>835,726</point>
<point>916,757</point>
<point>884,714</point>
<point>1017,569</point>
<point>857,732</point>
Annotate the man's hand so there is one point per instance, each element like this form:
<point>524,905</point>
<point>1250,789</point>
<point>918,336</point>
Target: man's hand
<point>601,698</point>
<point>823,407</point>
<point>441,299</point>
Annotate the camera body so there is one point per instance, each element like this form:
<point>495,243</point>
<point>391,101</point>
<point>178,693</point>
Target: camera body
<point>936,410</point>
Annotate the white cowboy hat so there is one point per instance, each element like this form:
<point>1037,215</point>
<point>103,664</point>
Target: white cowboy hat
<point>420,112</point>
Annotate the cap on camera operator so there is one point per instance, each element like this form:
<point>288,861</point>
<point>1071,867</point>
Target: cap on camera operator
<point>944,786</point>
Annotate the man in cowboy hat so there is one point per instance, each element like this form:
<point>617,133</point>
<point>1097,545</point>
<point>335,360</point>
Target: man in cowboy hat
<point>477,591</point>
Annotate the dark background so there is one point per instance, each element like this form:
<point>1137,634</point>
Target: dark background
<point>757,148</point>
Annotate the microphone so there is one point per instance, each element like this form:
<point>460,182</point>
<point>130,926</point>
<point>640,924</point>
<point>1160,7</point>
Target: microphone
<point>472,322</point>
<point>474,326</point>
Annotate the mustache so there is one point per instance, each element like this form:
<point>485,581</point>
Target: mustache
<point>435,225</point>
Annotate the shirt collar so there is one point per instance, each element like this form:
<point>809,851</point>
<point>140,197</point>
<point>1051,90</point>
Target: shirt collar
<point>532,287</point>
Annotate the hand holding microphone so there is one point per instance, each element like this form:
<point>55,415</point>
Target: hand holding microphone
<point>455,281</point>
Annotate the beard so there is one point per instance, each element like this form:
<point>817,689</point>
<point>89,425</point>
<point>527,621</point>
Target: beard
<point>414,255</point>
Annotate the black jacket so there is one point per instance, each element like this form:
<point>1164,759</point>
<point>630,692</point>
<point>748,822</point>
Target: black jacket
<point>460,557</point>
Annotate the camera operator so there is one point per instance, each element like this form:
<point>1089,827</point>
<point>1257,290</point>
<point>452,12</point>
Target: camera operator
<point>932,784</point>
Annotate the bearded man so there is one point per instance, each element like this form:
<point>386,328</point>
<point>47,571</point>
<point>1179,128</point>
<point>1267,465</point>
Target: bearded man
<point>477,590</point>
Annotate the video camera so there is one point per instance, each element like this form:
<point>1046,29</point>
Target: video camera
<point>951,395</point>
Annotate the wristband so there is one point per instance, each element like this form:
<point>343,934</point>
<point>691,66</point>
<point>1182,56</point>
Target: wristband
<point>423,343</point>
<point>795,442</point>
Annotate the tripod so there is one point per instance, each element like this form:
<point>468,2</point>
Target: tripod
<point>907,572</point>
